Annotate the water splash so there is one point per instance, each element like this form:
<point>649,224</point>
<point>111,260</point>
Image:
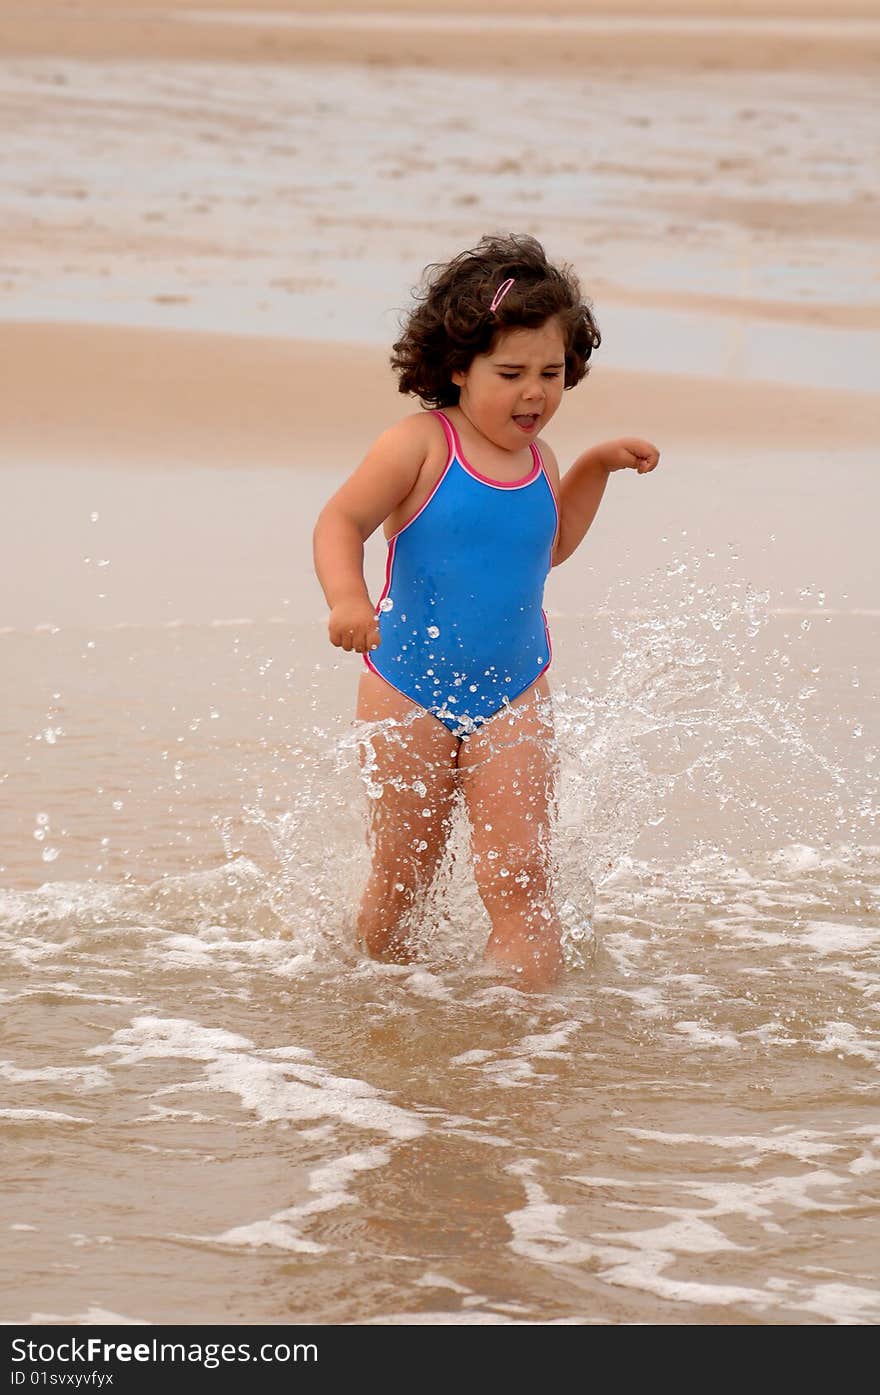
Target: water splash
<point>700,742</point>
<point>699,731</point>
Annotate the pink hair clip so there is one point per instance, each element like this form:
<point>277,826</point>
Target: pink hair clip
<point>501,293</point>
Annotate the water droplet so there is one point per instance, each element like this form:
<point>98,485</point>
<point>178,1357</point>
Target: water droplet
<point>42,820</point>
<point>93,517</point>
<point>386,605</point>
<point>49,854</point>
<point>433,632</point>
<point>117,804</point>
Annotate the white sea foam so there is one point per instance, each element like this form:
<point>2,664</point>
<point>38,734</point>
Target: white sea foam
<point>92,1317</point>
<point>701,1034</point>
<point>841,1302</point>
<point>648,999</point>
<point>637,1258</point>
<point>428,985</point>
<point>831,937</point>
<point>431,1280</point>
<point>845,1039</point>
<point>469,1318</point>
<point>803,1144</point>
<point>537,1232</point>
<point>271,1089</point>
<point>766,1201</point>
<point>552,1042</point>
<point>329,1181</point>
<point>471,1058</point>
<point>46,1116</point>
<point>81,1077</point>
<point>514,1069</point>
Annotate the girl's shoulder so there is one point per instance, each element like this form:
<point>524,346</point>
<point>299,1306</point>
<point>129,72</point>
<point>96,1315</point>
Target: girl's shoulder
<point>418,435</point>
<point>394,471</point>
<point>422,437</point>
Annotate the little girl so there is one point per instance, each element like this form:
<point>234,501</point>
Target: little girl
<point>456,652</point>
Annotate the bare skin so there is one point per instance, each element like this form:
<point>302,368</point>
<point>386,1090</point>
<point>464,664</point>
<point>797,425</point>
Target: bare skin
<point>507,769</point>
<point>507,774</point>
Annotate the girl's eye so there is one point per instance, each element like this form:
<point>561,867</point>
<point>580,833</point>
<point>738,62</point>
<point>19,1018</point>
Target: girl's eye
<point>511,376</point>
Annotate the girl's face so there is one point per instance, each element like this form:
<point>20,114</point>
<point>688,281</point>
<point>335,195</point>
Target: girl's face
<point>510,393</point>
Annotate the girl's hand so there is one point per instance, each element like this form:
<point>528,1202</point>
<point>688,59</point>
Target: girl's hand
<point>629,453</point>
<point>353,625</point>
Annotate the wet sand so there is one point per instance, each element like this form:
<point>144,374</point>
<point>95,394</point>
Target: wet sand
<point>128,396</point>
<point>568,39</point>
<point>210,226</point>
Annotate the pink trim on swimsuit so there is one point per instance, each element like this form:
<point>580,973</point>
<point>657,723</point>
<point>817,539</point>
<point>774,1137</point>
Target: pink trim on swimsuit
<point>484,479</point>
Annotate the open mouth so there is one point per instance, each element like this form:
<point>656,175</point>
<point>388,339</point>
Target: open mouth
<point>528,423</point>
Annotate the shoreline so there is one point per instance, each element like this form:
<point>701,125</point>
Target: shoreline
<point>104,393</point>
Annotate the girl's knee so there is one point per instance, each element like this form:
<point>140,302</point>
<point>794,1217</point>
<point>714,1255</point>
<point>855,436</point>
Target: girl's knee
<point>513,876</point>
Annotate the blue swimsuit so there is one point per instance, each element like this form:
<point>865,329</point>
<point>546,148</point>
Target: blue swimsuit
<point>461,622</point>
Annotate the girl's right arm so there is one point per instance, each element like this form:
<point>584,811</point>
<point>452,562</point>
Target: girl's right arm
<point>386,476</point>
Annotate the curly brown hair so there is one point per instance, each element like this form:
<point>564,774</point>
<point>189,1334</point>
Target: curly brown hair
<point>452,321</point>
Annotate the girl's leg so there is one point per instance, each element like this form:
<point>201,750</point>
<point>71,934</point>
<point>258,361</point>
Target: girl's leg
<point>508,775</point>
<point>415,763</point>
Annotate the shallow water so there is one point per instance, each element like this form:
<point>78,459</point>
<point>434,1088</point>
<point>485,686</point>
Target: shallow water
<point>304,200</point>
<point>217,1110</point>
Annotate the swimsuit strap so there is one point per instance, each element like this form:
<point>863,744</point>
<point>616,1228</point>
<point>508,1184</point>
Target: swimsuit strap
<point>456,452</point>
<point>451,435</point>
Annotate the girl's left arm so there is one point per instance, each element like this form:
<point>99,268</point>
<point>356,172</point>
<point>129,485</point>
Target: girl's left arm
<point>581,488</point>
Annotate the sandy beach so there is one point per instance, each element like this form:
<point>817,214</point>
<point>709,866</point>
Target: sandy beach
<point>147,396</point>
<point>216,1110</point>
<point>569,38</point>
